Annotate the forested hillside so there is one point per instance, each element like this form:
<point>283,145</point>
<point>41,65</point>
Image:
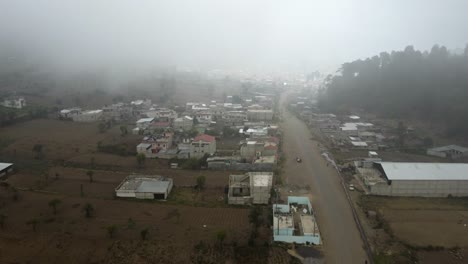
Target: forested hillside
<point>430,86</point>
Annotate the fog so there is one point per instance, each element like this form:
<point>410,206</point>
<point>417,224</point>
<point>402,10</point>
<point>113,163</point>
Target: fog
<point>231,35</point>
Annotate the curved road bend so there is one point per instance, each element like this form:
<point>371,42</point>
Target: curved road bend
<point>341,239</point>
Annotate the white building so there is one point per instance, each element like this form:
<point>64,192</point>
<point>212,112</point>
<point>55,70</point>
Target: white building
<point>450,151</point>
<point>201,145</point>
<point>145,187</point>
<point>14,102</point>
<point>260,115</point>
<point>70,113</point>
<point>88,116</point>
<point>183,123</point>
<point>144,123</point>
<point>5,169</point>
<point>417,179</point>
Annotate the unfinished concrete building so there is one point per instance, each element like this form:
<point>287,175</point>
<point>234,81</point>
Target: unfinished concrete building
<point>250,188</point>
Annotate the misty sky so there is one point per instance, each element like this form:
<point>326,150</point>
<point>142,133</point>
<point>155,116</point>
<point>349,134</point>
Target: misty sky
<point>234,35</point>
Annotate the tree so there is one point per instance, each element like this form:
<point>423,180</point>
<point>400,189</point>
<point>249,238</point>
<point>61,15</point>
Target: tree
<point>141,157</point>
<point>220,236</point>
<point>236,99</point>
<point>254,216</point>
<point>131,223</point>
<point>33,222</point>
<point>102,127</point>
<point>54,203</point>
<point>401,130</point>
<point>201,182</point>
<point>112,230</point>
<point>123,130</point>
<point>428,142</point>
<point>144,233</point>
<point>90,174</point>
<point>37,148</point>
<point>3,217</point>
<point>88,209</point>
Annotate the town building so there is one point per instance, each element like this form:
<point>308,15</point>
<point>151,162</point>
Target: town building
<point>234,118</point>
<point>183,123</point>
<point>295,222</point>
<point>450,151</point>
<point>260,115</point>
<point>69,113</point>
<point>152,145</point>
<point>14,102</point>
<point>416,179</point>
<point>88,116</point>
<point>145,187</point>
<point>250,188</point>
<point>201,145</point>
<point>144,123</point>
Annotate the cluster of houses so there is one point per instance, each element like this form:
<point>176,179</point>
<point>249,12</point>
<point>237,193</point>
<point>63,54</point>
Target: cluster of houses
<point>168,134</point>
<point>17,102</point>
<point>117,112</point>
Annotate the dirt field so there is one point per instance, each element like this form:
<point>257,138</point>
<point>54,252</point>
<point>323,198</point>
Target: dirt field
<point>71,234</point>
<point>181,230</point>
<point>437,228</point>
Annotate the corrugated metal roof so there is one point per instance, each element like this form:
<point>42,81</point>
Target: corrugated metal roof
<point>4,165</point>
<point>425,171</point>
<point>449,148</point>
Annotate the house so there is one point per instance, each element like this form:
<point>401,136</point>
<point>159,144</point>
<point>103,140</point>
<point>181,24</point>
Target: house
<point>250,188</point>
<point>88,116</point>
<point>69,113</point>
<point>144,123</point>
<point>14,102</point>
<point>259,115</point>
<point>416,179</point>
<point>5,169</point>
<point>253,149</point>
<point>183,123</point>
<point>118,111</point>
<point>254,132</point>
<point>141,104</point>
<point>204,117</point>
<point>295,222</point>
<point>234,118</point>
<point>161,114</point>
<point>145,187</point>
<point>450,151</point>
<point>158,126</point>
<point>201,145</point>
<point>161,141</point>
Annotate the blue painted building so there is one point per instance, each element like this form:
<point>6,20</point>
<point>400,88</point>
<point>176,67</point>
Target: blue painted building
<point>295,222</point>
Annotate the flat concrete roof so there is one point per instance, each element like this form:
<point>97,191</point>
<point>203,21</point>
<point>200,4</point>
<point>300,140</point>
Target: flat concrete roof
<point>307,222</point>
<point>285,221</point>
<point>151,184</point>
<point>262,180</point>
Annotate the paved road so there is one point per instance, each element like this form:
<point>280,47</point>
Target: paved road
<point>341,240</point>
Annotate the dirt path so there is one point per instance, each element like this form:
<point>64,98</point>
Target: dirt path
<point>341,239</point>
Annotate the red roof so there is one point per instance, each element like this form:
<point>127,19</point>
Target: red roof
<point>204,138</point>
<point>160,124</point>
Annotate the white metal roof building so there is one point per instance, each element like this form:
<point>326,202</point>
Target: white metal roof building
<point>5,168</point>
<point>450,151</point>
<point>145,187</point>
<point>421,179</point>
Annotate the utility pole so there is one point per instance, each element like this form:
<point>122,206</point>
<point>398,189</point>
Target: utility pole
<point>276,211</point>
